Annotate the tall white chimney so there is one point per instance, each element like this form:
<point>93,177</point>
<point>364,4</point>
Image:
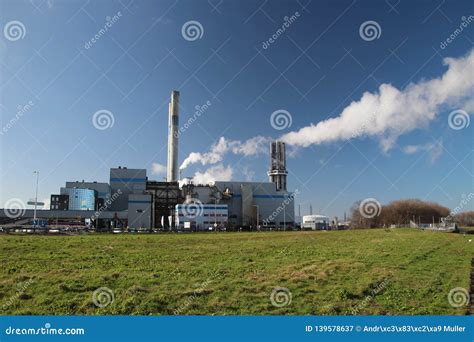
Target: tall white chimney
<point>173,124</point>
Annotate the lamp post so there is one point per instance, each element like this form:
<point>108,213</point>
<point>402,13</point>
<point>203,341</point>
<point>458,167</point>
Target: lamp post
<point>256,206</point>
<point>36,197</point>
<point>215,214</point>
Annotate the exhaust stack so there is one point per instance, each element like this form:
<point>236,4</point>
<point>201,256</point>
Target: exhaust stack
<point>277,173</point>
<point>173,123</point>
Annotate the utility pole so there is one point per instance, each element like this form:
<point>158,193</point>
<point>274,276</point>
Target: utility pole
<point>256,206</point>
<point>215,214</point>
<point>36,197</point>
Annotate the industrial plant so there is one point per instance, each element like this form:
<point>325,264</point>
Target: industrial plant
<point>132,202</point>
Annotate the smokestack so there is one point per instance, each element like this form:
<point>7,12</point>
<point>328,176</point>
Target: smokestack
<point>173,123</point>
<point>277,173</point>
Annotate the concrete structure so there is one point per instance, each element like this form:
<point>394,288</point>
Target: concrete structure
<point>68,214</point>
<point>139,211</point>
<point>123,182</point>
<point>173,126</point>
<point>315,222</point>
<point>277,173</point>
<point>131,200</point>
<point>80,199</point>
<point>250,204</point>
<point>165,197</point>
<point>59,202</point>
<point>198,216</point>
<point>103,189</point>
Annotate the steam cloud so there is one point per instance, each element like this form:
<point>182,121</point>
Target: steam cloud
<point>217,172</point>
<point>251,147</point>
<point>390,112</point>
<point>386,114</point>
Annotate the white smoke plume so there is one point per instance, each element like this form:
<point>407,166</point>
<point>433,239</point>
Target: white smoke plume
<point>386,114</point>
<point>390,113</point>
<point>435,149</point>
<point>158,169</point>
<point>251,147</point>
<point>215,173</point>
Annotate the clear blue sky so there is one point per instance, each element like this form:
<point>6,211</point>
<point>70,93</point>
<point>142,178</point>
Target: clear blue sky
<point>132,68</point>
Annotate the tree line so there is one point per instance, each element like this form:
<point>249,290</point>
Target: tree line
<point>401,212</point>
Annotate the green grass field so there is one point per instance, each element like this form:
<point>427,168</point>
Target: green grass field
<point>398,271</point>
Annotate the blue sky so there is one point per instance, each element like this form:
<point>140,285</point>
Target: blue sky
<point>313,70</point>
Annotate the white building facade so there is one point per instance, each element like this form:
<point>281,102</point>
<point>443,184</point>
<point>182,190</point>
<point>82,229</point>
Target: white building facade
<point>200,217</point>
<point>315,222</point>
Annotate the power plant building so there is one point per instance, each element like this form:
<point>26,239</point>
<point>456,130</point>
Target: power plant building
<point>198,217</point>
<point>130,200</point>
<point>124,182</point>
<point>80,199</point>
<point>315,222</point>
<point>103,189</point>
